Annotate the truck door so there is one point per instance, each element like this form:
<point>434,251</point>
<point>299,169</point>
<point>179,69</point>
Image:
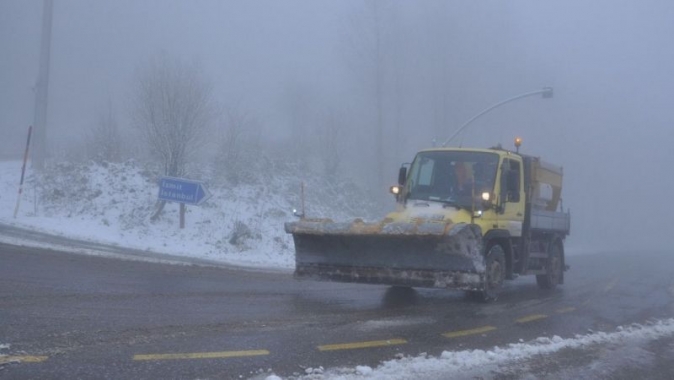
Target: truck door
<point>512,196</point>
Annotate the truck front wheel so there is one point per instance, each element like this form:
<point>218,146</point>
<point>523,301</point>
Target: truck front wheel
<point>553,268</point>
<point>495,273</point>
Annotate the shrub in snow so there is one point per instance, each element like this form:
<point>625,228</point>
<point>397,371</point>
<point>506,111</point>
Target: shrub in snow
<point>240,234</point>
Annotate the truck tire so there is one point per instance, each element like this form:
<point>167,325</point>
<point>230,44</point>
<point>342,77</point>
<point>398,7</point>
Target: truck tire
<point>494,275</point>
<point>554,269</point>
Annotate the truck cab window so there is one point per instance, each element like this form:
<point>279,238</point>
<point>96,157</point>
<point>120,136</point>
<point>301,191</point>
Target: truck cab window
<point>451,177</point>
<point>512,172</point>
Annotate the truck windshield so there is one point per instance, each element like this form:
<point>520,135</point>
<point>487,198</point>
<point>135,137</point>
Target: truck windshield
<point>452,177</point>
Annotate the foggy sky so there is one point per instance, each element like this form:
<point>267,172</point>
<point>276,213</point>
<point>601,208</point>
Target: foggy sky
<point>610,123</point>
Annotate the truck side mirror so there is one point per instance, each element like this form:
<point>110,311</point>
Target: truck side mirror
<point>402,176</point>
<point>399,189</point>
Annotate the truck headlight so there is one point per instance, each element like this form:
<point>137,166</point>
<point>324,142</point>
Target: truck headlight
<point>395,189</point>
<point>485,196</point>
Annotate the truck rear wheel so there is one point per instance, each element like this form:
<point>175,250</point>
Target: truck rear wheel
<point>554,269</point>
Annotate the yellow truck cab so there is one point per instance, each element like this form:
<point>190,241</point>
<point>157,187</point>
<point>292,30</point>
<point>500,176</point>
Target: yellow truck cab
<point>512,197</point>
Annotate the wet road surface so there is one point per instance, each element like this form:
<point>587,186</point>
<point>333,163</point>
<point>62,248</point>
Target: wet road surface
<point>75,316</point>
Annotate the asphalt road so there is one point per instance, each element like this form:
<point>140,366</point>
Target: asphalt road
<point>76,316</point>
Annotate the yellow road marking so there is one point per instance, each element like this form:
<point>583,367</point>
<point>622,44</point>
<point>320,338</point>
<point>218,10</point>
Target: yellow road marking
<point>606,289</point>
<point>22,359</point>
<point>479,330</point>
<point>531,318</point>
<point>566,310</point>
<point>350,346</point>
<point>202,355</point>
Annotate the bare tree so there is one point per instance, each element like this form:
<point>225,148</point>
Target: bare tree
<point>369,41</point>
<point>331,143</point>
<point>104,140</point>
<point>240,138</point>
<point>173,109</point>
<point>300,101</point>
<point>440,76</point>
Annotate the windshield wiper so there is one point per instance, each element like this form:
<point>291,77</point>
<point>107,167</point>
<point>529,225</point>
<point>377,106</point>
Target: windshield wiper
<point>445,202</point>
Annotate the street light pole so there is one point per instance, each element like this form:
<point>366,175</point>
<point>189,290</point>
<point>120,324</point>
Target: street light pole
<point>546,92</point>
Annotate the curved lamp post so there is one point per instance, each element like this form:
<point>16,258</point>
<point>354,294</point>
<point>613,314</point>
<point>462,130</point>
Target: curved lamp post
<point>546,92</point>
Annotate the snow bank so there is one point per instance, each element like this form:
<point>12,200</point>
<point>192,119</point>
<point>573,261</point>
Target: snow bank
<point>479,363</point>
<point>112,203</point>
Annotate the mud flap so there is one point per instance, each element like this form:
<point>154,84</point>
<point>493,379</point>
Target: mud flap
<point>421,255</point>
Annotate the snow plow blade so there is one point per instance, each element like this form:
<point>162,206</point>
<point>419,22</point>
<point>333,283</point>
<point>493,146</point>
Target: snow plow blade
<point>429,255</point>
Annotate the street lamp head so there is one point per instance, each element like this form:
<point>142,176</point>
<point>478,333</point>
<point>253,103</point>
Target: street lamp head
<point>547,92</point>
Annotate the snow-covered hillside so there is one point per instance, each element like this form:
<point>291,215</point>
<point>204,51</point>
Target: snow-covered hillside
<point>240,225</point>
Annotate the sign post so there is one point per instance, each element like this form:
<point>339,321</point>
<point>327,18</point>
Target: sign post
<point>183,191</point>
<point>23,171</point>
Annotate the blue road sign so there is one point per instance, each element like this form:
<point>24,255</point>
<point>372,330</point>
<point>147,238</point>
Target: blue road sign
<point>182,191</point>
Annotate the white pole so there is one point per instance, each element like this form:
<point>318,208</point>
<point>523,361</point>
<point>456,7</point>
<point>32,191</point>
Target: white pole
<point>42,87</point>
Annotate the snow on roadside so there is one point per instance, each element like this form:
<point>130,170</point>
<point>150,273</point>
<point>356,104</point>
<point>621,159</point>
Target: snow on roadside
<point>482,363</point>
<point>112,203</point>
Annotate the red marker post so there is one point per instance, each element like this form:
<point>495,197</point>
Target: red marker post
<point>23,171</point>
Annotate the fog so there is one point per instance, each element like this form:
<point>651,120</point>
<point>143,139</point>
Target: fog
<point>609,123</point>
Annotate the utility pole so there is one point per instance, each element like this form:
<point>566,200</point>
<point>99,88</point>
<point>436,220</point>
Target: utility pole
<point>42,88</point>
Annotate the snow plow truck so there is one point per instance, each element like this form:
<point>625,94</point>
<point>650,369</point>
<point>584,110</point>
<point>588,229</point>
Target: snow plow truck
<point>465,219</point>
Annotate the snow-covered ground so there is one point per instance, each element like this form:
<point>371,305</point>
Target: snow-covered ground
<point>112,203</point>
<point>243,226</point>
